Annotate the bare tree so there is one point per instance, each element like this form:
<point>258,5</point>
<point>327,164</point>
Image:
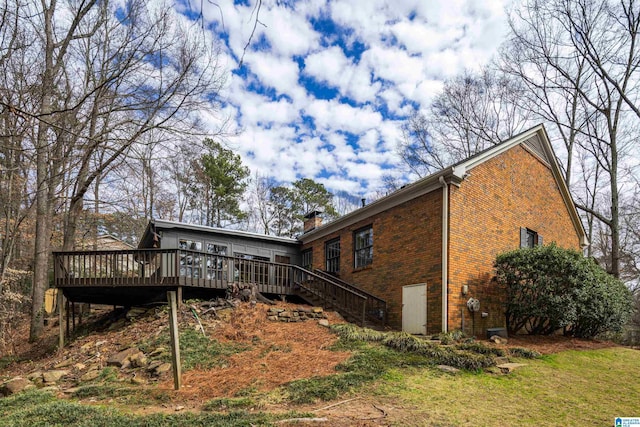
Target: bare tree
<point>579,60</point>
<point>473,112</point>
<point>107,74</point>
<point>261,214</point>
<point>549,96</point>
<point>16,162</point>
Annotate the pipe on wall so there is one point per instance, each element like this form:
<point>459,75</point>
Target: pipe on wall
<point>445,253</point>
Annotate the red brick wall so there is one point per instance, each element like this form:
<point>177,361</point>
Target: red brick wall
<point>406,250</point>
<point>512,190</point>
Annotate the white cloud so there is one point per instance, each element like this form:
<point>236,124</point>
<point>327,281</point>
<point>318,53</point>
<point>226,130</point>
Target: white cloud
<point>332,115</point>
<point>287,32</point>
<point>258,110</point>
<point>331,66</point>
<point>277,72</point>
<point>406,49</point>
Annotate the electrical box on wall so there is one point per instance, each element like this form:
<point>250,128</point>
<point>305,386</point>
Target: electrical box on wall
<point>473,305</point>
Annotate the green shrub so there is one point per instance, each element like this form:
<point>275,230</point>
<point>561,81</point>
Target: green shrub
<point>604,304</point>
<point>349,331</point>
<point>549,288</point>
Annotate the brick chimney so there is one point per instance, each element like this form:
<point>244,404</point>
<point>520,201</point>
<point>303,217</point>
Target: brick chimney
<point>312,220</point>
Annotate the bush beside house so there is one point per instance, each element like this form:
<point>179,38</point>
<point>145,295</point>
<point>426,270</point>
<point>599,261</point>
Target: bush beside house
<point>548,288</point>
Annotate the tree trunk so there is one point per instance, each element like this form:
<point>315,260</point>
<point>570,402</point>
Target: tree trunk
<point>615,213</point>
<point>42,238</point>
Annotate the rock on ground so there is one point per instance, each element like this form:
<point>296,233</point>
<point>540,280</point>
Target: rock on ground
<point>15,385</point>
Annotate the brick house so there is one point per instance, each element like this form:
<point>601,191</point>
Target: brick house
<point>415,258</point>
<point>428,248</point>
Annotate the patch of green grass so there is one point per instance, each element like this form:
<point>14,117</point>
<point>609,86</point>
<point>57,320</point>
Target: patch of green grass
<point>108,374</point>
<point>447,338</point>
<point>352,332</point>
<point>567,388</point>
<point>196,350</point>
<point>226,403</point>
<point>377,353</point>
<point>371,361</point>
<point>41,409</point>
<point>247,391</point>
<point>104,391</point>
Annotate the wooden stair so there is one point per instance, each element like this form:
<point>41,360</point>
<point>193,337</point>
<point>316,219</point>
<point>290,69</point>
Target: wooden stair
<point>355,305</point>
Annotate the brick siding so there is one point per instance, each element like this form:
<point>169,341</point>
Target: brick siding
<point>512,190</point>
<point>406,250</point>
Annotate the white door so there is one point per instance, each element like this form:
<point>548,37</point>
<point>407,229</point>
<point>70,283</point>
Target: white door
<point>414,309</point>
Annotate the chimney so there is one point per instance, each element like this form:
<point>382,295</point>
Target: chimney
<point>312,220</point>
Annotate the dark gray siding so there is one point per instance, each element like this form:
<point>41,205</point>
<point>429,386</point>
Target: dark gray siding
<point>235,244</point>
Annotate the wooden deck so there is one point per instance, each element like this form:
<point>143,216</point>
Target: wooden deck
<point>140,276</point>
<point>168,268</point>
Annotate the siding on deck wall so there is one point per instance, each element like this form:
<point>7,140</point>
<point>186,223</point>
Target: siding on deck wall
<point>246,245</point>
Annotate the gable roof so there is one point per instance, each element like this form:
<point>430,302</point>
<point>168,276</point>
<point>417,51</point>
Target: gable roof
<point>534,140</point>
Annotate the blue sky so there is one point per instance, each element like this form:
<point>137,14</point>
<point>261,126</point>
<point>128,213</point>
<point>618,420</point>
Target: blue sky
<point>325,86</point>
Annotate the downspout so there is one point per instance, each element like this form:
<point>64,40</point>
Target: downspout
<point>445,253</point>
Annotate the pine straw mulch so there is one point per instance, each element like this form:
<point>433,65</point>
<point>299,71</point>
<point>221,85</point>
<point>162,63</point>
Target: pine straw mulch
<point>278,353</point>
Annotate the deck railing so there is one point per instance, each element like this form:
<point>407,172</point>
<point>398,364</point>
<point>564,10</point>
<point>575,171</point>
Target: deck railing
<point>172,267</point>
<point>180,267</point>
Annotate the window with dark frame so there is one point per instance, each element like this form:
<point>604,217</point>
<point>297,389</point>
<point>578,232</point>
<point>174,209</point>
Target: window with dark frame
<point>332,255</point>
<point>363,247</point>
<point>190,263</point>
<point>529,238</point>
<point>307,259</point>
<point>215,265</point>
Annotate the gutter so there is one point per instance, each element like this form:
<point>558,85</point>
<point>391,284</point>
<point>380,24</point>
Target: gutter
<point>445,253</point>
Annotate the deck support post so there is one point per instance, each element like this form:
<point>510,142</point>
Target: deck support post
<point>68,319</point>
<point>60,304</point>
<point>179,296</point>
<point>175,338</point>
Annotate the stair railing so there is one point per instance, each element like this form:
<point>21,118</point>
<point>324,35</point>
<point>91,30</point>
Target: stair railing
<point>376,307</point>
<point>333,293</point>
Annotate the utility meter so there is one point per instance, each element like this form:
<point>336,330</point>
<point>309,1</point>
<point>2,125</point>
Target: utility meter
<point>473,304</point>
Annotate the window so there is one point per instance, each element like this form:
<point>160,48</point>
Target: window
<point>190,263</point>
<point>213,248</point>
<point>332,255</point>
<point>191,245</point>
<point>215,264</point>
<point>363,247</point>
<point>529,238</point>
<point>307,259</point>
